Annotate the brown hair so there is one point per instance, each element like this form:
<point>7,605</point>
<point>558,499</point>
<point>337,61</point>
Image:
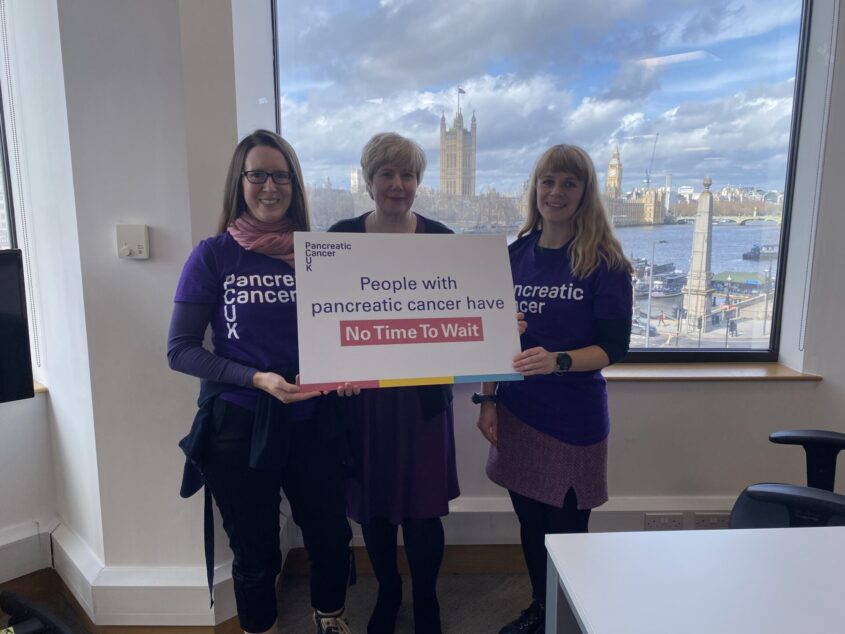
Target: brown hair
<point>233,195</point>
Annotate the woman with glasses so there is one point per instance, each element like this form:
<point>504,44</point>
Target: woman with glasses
<point>548,433</point>
<point>403,436</point>
<point>256,432</point>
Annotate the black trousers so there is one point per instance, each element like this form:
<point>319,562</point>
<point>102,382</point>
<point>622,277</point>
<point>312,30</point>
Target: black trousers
<point>536,520</point>
<point>249,501</point>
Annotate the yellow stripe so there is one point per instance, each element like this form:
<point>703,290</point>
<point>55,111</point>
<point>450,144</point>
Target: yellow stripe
<point>434,380</point>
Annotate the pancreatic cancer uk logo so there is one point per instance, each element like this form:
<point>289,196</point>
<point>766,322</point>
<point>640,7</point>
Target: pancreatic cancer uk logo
<point>315,250</point>
<point>254,289</point>
<point>532,299</point>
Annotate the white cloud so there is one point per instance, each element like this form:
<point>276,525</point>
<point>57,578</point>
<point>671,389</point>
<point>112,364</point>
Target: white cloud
<point>713,22</point>
<point>542,73</point>
<point>678,58</point>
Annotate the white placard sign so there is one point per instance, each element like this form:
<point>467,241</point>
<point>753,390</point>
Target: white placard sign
<point>383,310</point>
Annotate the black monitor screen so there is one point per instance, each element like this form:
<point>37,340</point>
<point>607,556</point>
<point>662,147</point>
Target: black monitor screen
<point>15,362</point>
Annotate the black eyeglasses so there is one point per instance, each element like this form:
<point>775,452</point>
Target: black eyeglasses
<point>259,177</point>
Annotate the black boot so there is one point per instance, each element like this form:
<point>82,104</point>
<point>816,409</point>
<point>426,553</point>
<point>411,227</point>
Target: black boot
<point>427,616</point>
<point>383,618</point>
<point>531,621</point>
<point>380,540</point>
<point>424,546</point>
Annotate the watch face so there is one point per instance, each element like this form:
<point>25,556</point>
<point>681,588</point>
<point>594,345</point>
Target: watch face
<point>564,362</point>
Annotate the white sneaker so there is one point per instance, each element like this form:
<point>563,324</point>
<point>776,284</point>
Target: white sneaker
<point>331,623</point>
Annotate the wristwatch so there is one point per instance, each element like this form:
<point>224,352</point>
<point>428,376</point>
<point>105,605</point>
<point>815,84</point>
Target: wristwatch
<point>484,398</point>
<point>563,363</point>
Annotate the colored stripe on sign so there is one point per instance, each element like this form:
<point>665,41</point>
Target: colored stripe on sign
<point>432,380</point>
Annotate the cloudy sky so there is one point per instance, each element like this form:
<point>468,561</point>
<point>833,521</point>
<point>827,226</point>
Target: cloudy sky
<point>714,78</point>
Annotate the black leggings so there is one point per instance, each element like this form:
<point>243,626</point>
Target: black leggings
<point>249,501</point>
<point>424,541</point>
<point>536,520</point>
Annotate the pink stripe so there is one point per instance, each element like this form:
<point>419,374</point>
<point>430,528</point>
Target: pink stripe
<point>382,332</point>
<point>331,387</point>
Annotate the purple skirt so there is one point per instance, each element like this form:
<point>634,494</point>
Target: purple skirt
<point>407,464</point>
<point>543,468</point>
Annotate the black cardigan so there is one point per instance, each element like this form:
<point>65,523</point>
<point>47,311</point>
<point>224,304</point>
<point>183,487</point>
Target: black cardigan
<point>434,399</point>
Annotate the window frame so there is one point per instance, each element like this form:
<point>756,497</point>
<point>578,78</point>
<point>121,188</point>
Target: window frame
<point>696,355</point>
<point>7,176</point>
<point>687,355</point>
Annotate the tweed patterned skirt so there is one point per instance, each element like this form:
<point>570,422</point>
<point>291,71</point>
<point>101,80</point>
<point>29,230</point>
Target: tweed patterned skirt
<point>544,468</point>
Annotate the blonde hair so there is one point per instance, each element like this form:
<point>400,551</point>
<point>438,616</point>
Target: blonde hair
<point>594,239</point>
<point>389,147</point>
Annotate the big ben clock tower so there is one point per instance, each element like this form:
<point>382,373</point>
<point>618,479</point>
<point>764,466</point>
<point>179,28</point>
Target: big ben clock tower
<point>613,188</point>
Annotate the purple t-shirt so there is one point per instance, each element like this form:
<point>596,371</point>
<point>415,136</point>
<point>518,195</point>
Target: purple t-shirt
<point>254,318</point>
<point>561,312</point>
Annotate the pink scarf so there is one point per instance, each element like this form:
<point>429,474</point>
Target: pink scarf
<point>274,239</point>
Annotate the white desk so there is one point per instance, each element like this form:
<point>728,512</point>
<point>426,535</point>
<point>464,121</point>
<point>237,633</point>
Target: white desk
<point>766,581</point>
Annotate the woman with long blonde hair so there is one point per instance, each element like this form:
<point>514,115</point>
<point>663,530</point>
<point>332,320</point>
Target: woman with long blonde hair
<point>548,433</point>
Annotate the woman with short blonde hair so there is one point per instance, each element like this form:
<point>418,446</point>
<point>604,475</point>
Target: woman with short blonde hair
<point>403,436</point>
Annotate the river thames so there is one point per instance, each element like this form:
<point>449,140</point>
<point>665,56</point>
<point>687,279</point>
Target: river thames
<point>673,244</point>
<point>729,242</point>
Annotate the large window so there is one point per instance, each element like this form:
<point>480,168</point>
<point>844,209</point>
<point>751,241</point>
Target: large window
<point>663,96</point>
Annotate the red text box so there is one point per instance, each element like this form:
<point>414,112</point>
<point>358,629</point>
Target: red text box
<point>382,332</point>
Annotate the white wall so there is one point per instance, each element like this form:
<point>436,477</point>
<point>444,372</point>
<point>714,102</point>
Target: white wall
<point>147,96</point>
<point>49,192</point>
<point>127,136</point>
<point>27,497</point>
<point>129,110</point>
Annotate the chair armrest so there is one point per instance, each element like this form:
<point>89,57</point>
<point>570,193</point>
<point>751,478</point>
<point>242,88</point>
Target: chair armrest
<point>806,499</point>
<point>807,437</point>
<point>821,447</point>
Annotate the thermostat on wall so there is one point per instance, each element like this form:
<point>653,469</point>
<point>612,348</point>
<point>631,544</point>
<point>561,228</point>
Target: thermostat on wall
<point>133,242</point>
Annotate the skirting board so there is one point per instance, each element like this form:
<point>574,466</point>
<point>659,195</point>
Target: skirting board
<point>490,520</point>
<point>158,596</point>
<point>140,595</point>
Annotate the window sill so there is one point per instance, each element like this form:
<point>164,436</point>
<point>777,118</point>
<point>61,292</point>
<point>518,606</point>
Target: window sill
<point>705,372</point>
<point>681,372</point>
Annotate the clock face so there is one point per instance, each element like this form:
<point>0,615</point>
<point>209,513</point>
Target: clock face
<point>611,171</point>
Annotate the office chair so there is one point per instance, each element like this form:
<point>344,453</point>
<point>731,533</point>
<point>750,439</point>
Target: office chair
<point>787,505</point>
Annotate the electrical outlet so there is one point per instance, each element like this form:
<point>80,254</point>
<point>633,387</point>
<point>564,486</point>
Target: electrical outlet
<point>664,521</point>
<point>714,519</point>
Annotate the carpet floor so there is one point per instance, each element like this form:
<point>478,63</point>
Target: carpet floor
<point>469,604</point>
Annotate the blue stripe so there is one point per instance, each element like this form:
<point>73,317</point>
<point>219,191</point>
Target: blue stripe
<point>479,378</point>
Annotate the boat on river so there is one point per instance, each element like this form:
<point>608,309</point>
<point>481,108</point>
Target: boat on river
<point>669,284</point>
<point>762,252</point>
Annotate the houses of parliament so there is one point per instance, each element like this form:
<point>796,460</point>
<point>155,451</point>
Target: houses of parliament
<point>457,204</point>
<point>457,156</point>
<point>641,207</point>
